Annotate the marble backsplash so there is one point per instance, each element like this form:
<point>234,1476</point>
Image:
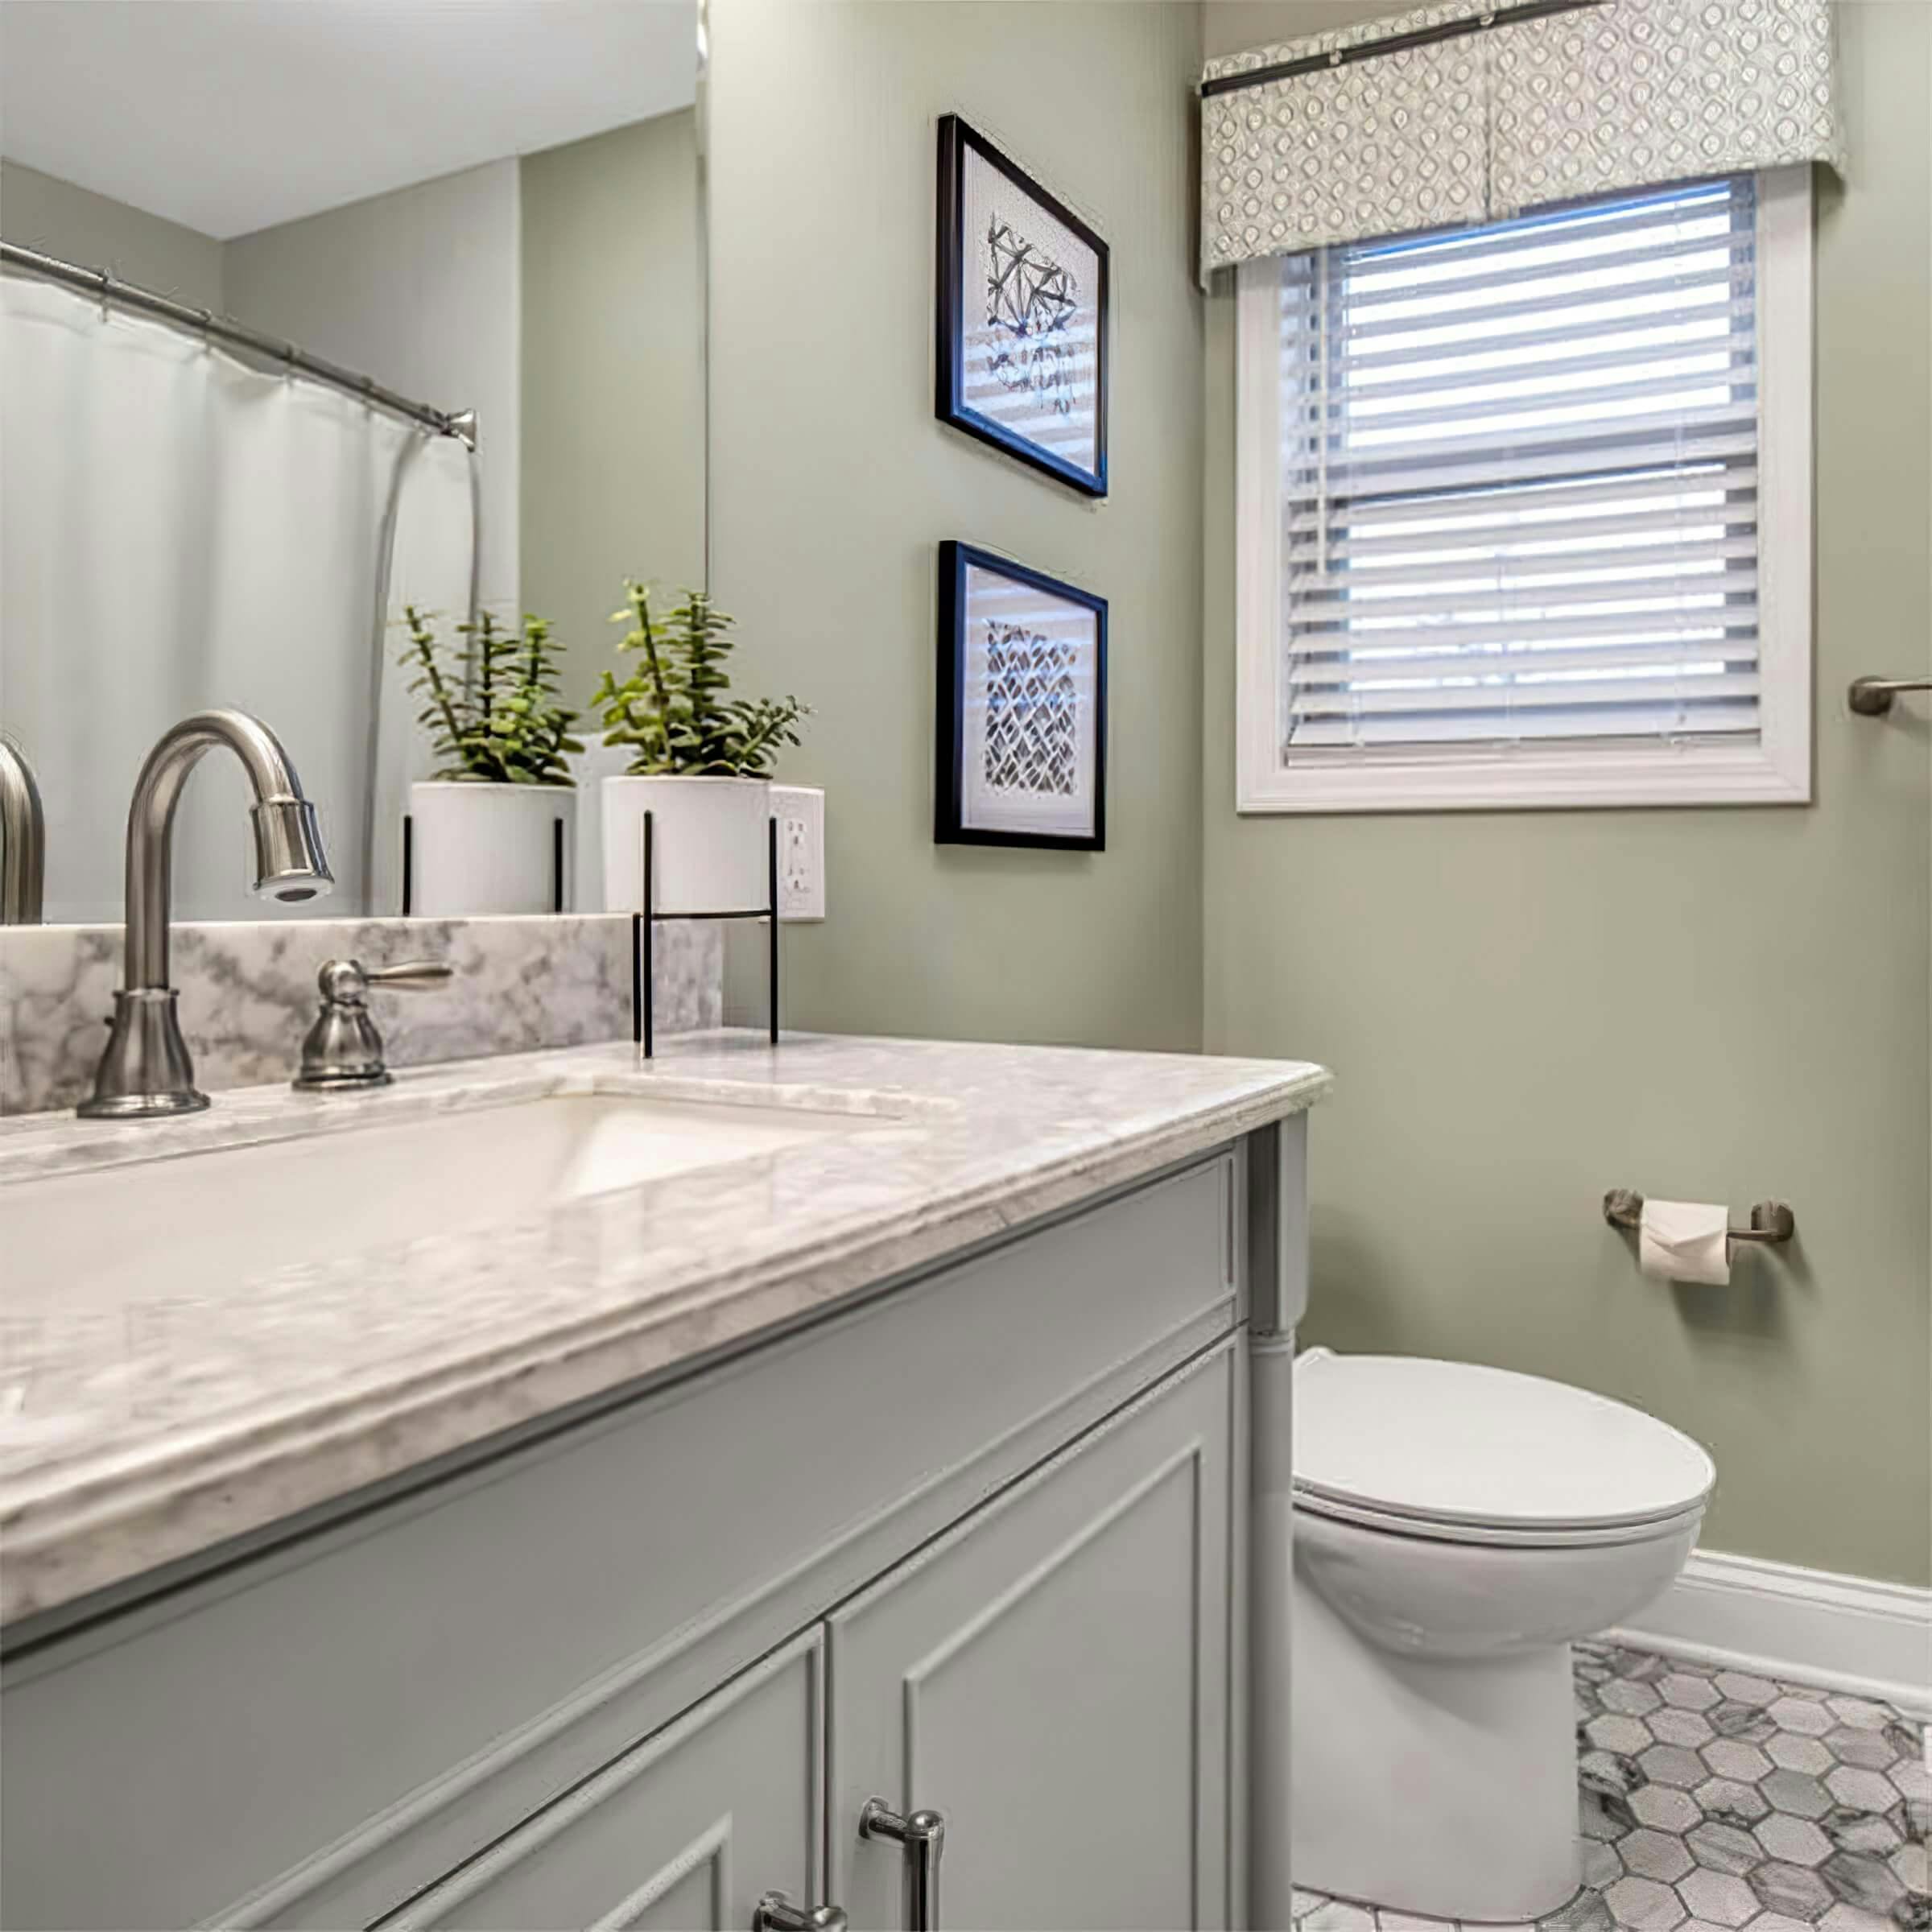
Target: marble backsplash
<point>248,992</point>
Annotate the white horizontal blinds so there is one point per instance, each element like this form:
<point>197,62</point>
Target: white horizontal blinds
<point>1520,482</point>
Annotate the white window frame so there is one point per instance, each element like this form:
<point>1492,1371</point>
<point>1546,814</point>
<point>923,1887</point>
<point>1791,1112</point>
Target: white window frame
<point>1776,771</point>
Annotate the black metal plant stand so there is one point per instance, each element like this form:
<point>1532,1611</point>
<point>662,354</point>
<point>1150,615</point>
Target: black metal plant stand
<point>643,981</point>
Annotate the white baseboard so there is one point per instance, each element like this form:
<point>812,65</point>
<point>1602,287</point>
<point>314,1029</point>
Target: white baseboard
<point>1850,1633</point>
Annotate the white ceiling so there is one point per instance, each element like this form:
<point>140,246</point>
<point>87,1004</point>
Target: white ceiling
<point>232,115</point>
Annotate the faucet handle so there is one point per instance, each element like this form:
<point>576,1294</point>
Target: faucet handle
<point>344,982</point>
<point>343,1048</point>
<point>412,975</point>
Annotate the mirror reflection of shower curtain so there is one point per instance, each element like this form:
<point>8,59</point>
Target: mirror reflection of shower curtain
<point>428,556</point>
<point>180,529</point>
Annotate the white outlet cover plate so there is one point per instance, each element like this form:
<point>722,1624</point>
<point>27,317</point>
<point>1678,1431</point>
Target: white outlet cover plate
<point>800,811</point>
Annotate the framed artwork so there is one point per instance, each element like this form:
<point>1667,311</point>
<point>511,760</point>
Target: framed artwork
<point>1023,315</point>
<point>1022,706</point>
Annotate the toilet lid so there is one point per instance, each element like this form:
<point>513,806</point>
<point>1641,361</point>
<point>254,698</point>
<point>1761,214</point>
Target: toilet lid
<point>1453,1443</point>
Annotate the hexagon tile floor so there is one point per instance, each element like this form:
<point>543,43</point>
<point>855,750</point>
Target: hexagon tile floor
<point>1713,1800</point>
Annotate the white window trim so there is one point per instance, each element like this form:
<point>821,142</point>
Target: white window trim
<point>1777,770</point>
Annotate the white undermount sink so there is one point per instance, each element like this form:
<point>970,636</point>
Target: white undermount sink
<point>189,1222</point>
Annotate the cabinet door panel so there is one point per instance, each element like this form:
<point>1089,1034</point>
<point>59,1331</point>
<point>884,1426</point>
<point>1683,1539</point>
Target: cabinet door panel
<point>684,1834</point>
<point>1053,1677</point>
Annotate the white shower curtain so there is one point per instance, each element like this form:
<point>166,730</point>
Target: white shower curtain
<point>179,529</point>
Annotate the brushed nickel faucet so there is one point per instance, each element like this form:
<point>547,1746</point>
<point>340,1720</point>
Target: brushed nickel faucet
<point>146,1072</point>
<point>23,839</point>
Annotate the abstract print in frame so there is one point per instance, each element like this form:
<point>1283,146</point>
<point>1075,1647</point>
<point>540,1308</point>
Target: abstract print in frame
<point>1022,706</point>
<point>1021,360</point>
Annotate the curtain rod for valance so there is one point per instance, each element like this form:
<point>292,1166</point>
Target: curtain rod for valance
<point>202,321</point>
<point>1392,44</point>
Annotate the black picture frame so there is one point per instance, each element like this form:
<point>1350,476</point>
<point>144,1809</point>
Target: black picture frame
<point>950,402</point>
<point>951,813</point>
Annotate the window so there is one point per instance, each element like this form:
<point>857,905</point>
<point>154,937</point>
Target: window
<point>1524,511</point>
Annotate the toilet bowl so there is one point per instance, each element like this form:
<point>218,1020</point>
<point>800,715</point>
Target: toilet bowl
<point>1455,1528</point>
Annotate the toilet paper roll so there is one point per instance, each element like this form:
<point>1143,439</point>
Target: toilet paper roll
<point>1684,1241</point>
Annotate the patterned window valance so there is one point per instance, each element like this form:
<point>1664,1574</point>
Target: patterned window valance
<point>1479,127</point>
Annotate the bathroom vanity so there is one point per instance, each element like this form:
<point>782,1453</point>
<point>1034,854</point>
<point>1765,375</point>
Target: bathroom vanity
<point>640,1473</point>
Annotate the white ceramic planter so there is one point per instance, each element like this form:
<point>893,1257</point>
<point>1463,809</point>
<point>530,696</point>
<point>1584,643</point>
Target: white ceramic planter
<point>479,848</point>
<point>709,844</point>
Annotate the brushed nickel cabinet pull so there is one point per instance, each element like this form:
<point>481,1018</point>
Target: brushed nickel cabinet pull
<point>922,1836</point>
<point>778,1912</point>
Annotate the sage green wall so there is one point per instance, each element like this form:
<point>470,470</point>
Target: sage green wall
<point>612,470</point>
<point>1525,1008</point>
<point>43,212</point>
<point>833,485</point>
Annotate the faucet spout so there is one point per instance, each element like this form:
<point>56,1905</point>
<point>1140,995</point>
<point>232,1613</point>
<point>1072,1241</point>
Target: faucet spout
<point>289,864</point>
<point>23,839</point>
<point>146,1070</point>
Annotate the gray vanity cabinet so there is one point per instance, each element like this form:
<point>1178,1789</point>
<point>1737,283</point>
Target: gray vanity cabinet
<point>684,1834</point>
<point>1052,1678</point>
<point>1051,1675</point>
<point>976,1541</point>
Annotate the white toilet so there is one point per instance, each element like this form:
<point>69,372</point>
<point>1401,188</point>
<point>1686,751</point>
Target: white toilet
<point>1455,1527</point>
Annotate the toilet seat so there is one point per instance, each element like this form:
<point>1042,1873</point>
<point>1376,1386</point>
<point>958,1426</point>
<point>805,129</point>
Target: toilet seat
<point>1492,1535</point>
<point>1454,1452</point>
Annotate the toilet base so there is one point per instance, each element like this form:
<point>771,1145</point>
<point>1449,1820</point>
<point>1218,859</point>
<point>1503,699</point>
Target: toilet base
<point>1441,1786</point>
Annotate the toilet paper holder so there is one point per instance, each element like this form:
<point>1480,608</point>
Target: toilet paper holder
<point>1770,1220</point>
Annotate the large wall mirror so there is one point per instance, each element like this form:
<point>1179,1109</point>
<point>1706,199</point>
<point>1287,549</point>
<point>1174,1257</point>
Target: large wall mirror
<point>492,211</point>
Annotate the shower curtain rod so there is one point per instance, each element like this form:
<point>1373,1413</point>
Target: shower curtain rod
<point>238,335</point>
<point>1502,15</point>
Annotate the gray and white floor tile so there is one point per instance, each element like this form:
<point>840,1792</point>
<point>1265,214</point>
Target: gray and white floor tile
<point>1714,1800</point>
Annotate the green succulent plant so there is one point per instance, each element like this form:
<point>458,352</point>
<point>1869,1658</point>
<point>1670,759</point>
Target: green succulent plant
<point>489,700</point>
<point>671,709</point>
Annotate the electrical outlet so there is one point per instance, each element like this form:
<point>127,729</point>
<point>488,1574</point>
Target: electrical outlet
<point>800,811</point>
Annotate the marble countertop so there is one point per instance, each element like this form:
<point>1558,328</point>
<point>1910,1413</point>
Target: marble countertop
<point>141,1428</point>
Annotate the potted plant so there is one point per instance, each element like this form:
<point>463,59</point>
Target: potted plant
<point>701,765</point>
<point>485,836</point>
